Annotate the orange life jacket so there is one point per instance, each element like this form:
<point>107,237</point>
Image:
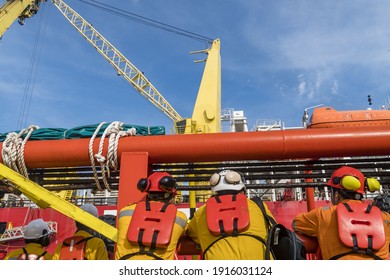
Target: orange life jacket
<point>361,228</point>
<point>227,214</point>
<point>73,248</point>
<point>151,226</point>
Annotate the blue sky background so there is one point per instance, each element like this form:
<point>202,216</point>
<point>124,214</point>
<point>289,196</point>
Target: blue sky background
<point>278,58</point>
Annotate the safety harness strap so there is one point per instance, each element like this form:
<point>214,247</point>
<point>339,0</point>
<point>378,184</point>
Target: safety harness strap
<point>363,252</point>
<point>148,253</point>
<point>142,248</point>
<point>25,255</point>
<point>240,234</point>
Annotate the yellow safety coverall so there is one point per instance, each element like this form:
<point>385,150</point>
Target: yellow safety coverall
<point>31,248</point>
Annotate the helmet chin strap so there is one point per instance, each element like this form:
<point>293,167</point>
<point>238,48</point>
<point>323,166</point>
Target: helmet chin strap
<point>335,197</point>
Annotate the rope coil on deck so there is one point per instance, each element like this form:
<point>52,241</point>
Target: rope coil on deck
<point>13,149</point>
<point>115,132</point>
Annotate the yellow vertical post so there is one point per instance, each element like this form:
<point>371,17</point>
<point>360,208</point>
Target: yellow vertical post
<point>207,109</point>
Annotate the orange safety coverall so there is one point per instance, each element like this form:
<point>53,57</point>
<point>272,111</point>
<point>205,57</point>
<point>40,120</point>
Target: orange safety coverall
<point>322,224</point>
<point>231,248</point>
<point>386,221</point>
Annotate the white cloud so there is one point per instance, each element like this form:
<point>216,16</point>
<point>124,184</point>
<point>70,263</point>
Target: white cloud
<point>335,87</point>
<point>301,85</point>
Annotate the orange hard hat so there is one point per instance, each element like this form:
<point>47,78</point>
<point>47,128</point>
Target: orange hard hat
<point>347,178</point>
<point>158,182</point>
<point>351,179</point>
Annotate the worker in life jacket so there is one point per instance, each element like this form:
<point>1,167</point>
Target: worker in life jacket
<point>37,237</point>
<point>151,228</point>
<point>229,226</point>
<point>350,228</point>
<point>83,245</point>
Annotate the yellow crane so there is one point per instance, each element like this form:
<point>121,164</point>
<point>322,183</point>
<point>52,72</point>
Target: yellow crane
<point>13,10</point>
<point>206,115</point>
<point>205,118</point>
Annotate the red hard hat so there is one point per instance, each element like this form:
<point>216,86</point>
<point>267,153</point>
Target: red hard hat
<point>349,179</point>
<point>161,182</point>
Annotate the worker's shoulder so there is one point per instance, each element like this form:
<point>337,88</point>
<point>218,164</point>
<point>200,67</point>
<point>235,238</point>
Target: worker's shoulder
<point>386,218</point>
<point>181,214</point>
<point>129,206</point>
<point>14,254</point>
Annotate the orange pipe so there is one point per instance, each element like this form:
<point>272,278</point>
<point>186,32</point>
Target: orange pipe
<point>309,193</point>
<point>267,145</point>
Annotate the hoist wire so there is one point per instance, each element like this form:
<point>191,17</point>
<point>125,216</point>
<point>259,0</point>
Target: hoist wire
<point>32,72</point>
<point>147,21</point>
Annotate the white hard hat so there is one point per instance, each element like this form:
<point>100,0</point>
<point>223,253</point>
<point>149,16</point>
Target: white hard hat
<point>226,180</point>
<point>90,208</point>
<point>36,229</point>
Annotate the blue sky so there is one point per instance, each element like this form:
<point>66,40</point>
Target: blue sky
<point>278,58</point>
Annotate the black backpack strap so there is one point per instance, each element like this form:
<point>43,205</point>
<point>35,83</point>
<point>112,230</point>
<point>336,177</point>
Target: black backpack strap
<point>270,223</point>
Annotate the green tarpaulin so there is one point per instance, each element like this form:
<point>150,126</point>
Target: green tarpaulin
<point>85,131</point>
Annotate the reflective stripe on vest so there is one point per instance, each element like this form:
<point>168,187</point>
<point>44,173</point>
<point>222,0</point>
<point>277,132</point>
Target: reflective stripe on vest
<point>129,212</point>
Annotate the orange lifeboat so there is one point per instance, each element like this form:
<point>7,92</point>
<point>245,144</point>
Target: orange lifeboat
<point>328,117</point>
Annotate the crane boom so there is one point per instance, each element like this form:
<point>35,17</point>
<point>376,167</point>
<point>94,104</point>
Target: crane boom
<point>134,76</point>
<point>12,10</point>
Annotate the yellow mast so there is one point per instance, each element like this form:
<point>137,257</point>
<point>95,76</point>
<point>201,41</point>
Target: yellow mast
<point>206,116</point>
<point>207,109</point>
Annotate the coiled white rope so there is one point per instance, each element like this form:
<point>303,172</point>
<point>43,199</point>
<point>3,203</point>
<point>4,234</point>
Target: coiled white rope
<point>13,149</point>
<point>115,132</point>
